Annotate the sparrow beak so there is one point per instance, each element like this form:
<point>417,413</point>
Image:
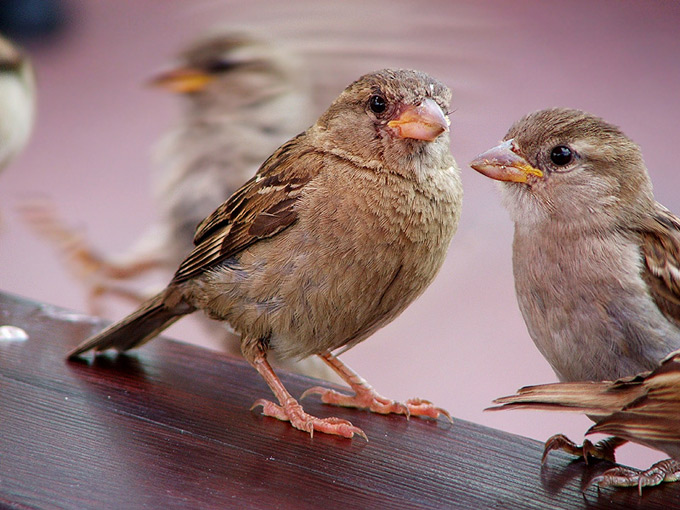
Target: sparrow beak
<point>423,122</point>
<point>11,57</point>
<point>184,80</point>
<point>504,164</point>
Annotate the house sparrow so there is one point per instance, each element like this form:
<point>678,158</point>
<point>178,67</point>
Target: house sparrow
<point>596,259</point>
<point>242,97</point>
<point>644,409</point>
<point>338,232</point>
<point>17,101</point>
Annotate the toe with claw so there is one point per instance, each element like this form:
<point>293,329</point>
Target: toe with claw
<point>421,407</point>
<point>298,418</point>
<point>369,399</point>
<point>365,397</point>
<point>601,450</point>
<point>664,471</point>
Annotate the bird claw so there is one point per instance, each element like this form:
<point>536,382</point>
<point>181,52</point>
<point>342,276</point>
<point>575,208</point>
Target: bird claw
<point>314,390</point>
<point>601,450</point>
<point>369,399</point>
<point>664,471</point>
<point>422,407</point>
<point>298,418</point>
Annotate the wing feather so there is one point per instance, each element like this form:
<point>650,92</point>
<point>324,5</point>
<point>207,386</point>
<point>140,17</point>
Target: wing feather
<point>661,254</point>
<point>263,207</point>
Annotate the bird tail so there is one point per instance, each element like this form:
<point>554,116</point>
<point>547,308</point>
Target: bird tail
<point>585,397</point>
<point>137,328</point>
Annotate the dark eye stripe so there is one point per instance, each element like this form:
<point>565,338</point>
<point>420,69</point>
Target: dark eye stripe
<point>220,66</point>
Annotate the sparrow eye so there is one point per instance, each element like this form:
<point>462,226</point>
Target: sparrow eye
<point>561,155</point>
<point>377,103</point>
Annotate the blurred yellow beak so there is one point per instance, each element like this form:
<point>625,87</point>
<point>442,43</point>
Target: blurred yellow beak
<point>184,80</point>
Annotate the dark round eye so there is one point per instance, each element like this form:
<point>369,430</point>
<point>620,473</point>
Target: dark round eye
<point>561,155</point>
<point>377,103</point>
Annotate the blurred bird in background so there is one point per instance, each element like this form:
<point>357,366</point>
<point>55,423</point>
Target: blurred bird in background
<point>241,97</point>
<point>644,409</point>
<point>17,100</point>
<point>596,259</point>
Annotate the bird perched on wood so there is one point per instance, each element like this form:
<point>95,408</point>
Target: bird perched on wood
<point>242,96</point>
<point>339,231</point>
<point>596,259</point>
<point>644,409</point>
<point>17,100</point>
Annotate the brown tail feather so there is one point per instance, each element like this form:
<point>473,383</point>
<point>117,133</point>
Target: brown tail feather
<point>644,409</point>
<point>586,397</point>
<point>137,328</point>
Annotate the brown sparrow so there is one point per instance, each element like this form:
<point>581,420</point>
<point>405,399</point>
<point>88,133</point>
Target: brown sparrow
<point>337,233</point>
<point>644,409</point>
<point>596,259</point>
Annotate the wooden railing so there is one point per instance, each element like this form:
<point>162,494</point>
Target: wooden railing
<point>169,426</point>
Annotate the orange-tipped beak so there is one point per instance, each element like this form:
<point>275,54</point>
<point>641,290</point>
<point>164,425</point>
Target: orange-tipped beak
<point>503,164</point>
<point>184,80</point>
<point>423,122</point>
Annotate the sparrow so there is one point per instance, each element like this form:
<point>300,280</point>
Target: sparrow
<point>241,97</point>
<point>596,260</point>
<point>644,409</point>
<point>17,101</point>
<point>339,231</point>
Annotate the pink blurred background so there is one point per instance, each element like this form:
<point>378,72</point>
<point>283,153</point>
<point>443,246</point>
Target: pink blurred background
<point>464,342</point>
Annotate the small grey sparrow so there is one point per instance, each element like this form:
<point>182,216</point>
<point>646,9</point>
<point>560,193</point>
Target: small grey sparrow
<point>596,259</point>
<point>17,101</point>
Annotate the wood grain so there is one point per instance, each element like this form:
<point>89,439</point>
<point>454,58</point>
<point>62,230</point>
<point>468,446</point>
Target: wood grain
<point>169,426</point>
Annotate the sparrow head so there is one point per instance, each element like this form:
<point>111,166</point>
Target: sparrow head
<point>387,118</point>
<point>226,69</point>
<point>568,165</point>
<point>17,100</point>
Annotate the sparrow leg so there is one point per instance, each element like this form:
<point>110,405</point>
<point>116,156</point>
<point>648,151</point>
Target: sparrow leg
<point>366,397</point>
<point>664,471</point>
<point>601,450</point>
<point>290,410</point>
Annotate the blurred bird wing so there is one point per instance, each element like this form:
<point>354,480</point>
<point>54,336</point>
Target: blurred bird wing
<point>261,208</point>
<point>661,250</point>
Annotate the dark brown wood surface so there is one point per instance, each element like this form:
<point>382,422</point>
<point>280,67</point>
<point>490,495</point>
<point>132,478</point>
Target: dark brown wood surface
<point>169,426</point>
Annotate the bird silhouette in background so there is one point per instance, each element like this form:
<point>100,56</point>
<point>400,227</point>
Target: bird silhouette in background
<point>17,100</point>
